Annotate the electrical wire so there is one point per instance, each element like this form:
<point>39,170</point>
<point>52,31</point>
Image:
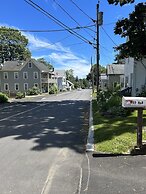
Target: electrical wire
<point>109,23</point>
<point>105,48</point>
<point>82,11</point>
<point>55,30</point>
<point>75,44</point>
<point>71,17</point>
<point>109,36</point>
<point>38,8</point>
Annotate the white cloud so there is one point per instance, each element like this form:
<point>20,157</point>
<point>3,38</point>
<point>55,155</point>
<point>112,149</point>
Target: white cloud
<point>36,43</point>
<point>80,66</point>
<point>61,56</point>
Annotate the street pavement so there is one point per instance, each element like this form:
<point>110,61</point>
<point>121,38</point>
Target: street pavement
<point>42,144</point>
<point>42,151</point>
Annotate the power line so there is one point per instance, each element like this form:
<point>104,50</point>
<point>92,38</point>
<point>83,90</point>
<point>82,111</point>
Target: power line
<point>109,23</point>
<point>38,8</point>
<point>53,30</point>
<point>71,17</point>
<point>105,48</point>
<point>83,11</point>
<point>91,29</point>
<point>75,44</point>
<point>108,36</point>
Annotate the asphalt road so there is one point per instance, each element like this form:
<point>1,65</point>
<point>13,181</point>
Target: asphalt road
<point>42,151</point>
<point>42,144</point>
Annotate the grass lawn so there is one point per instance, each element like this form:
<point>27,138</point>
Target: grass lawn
<point>115,135</point>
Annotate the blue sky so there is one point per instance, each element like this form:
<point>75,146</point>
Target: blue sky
<point>62,49</point>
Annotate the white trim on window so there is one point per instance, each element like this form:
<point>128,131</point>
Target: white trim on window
<point>16,85</point>
<point>16,75</point>
<point>5,75</point>
<point>25,75</point>
<point>35,75</point>
<point>25,86</point>
<point>6,86</point>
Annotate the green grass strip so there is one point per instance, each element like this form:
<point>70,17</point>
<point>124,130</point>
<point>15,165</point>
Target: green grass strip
<point>115,135</point>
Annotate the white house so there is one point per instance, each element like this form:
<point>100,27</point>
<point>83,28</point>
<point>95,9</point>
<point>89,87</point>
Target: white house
<point>135,75</point>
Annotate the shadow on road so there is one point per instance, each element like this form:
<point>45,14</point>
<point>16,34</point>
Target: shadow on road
<point>52,124</point>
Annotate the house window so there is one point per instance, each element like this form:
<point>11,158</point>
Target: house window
<point>6,86</point>
<point>16,86</point>
<point>25,75</point>
<point>5,75</point>
<point>16,75</point>
<point>50,76</point>
<point>25,86</point>
<point>35,75</point>
<point>115,84</point>
<point>29,65</point>
<point>36,85</point>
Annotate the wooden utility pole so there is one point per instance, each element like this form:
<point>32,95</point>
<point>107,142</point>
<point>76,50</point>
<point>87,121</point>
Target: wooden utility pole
<point>97,47</point>
<point>99,22</point>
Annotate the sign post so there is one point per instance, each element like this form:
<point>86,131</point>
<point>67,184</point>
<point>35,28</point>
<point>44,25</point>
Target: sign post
<point>139,127</point>
<point>138,103</point>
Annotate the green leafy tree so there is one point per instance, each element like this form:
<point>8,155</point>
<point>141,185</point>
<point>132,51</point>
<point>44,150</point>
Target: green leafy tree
<point>42,60</point>
<point>134,28</point>
<point>70,75</point>
<point>121,2</point>
<point>93,72</point>
<point>78,83</point>
<point>13,45</point>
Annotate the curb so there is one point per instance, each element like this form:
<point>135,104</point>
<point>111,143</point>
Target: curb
<point>90,139</point>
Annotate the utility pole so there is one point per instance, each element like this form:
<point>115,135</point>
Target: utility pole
<point>99,22</point>
<point>97,47</point>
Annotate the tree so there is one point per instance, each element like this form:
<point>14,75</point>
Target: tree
<point>13,45</point>
<point>134,28</point>
<point>121,2</point>
<point>70,75</point>
<point>93,72</point>
<point>42,60</point>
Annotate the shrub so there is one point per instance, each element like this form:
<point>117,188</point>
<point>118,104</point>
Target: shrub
<point>20,95</point>
<point>110,103</point>
<point>33,91</point>
<point>3,98</point>
<point>53,89</point>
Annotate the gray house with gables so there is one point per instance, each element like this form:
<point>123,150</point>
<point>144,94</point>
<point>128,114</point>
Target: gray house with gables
<point>19,76</point>
<point>115,75</point>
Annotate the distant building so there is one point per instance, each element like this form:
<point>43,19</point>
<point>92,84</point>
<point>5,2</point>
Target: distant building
<point>103,81</point>
<point>115,75</point>
<point>60,76</point>
<point>19,76</point>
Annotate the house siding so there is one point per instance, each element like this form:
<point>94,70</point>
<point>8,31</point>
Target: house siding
<point>113,79</point>
<point>135,75</point>
<point>115,74</point>
<point>12,81</point>
<point>139,76</point>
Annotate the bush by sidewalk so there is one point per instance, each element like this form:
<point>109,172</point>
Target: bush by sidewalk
<point>3,98</point>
